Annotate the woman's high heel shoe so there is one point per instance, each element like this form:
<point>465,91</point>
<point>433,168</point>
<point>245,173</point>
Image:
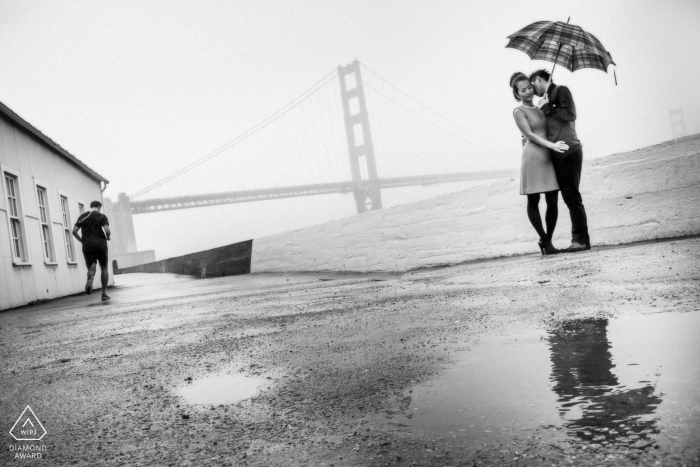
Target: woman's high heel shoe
<point>548,248</point>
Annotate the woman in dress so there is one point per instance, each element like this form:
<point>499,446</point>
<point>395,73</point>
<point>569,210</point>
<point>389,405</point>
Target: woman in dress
<point>536,170</point>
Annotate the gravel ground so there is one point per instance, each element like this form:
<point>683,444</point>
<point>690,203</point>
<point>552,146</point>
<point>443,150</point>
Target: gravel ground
<point>335,350</point>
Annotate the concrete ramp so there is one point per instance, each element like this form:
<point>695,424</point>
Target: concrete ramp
<point>645,194</point>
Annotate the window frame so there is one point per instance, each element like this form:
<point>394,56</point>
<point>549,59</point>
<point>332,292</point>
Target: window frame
<point>67,228</point>
<point>19,216</point>
<point>46,221</point>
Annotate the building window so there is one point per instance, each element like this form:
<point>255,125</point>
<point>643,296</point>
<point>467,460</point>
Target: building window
<point>70,252</point>
<point>81,209</point>
<point>45,221</point>
<point>14,211</point>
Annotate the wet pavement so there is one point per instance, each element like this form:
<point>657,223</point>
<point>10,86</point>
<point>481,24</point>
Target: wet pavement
<point>580,359</point>
<point>618,383</point>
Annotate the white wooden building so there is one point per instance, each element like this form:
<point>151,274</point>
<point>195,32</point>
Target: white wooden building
<point>45,189</point>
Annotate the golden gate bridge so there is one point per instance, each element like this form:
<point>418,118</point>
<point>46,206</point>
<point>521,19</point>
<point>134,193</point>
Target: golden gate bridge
<point>365,183</point>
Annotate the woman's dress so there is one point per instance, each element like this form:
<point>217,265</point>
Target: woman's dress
<point>536,169</point>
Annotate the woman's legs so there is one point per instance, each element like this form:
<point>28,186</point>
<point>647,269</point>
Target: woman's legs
<point>533,213</point>
<point>550,217</point>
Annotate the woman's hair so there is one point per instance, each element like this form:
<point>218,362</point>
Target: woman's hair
<point>514,79</point>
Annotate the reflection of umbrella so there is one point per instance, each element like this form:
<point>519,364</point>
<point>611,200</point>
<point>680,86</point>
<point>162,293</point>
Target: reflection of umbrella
<point>562,44</point>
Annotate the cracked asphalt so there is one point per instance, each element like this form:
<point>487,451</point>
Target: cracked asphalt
<point>337,352</point>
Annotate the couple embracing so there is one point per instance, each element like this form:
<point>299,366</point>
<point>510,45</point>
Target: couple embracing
<point>552,157</point>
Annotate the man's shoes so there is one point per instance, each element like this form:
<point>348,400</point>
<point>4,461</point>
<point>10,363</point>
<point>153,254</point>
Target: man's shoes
<point>577,246</point>
<point>105,297</point>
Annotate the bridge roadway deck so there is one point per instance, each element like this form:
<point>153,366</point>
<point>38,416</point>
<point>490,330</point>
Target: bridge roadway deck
<point>345,356</point>
<point>245,196</point>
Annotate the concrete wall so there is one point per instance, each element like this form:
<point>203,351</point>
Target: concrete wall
<point>127,260</point>
<point>229,260</point>
<point>650,193</point>
<point>34,161</point>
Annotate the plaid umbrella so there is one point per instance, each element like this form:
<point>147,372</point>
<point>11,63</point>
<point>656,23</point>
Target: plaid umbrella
<point>562,44</point>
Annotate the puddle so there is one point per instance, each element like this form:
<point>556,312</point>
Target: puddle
<point>630,381</point>
<point>221,389</point>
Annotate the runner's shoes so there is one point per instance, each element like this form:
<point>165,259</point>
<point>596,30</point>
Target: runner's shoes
<point>105,297</point>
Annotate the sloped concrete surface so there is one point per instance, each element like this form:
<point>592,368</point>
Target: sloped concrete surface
<point>649,193</point>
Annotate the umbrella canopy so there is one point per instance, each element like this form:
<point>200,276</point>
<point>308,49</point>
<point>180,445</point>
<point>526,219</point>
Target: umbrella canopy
<point>563,44</point>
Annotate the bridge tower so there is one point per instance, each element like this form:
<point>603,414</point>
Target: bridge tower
<point>122,247</point>
<point>677,123</point>
<point>360,149</point>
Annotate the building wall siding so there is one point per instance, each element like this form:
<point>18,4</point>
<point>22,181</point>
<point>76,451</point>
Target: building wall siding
<point>35,161</point>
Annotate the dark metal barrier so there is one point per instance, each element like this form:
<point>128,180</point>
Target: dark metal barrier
<point>229,260</point>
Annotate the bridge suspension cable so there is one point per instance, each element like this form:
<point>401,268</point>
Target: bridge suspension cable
<point>487,143</point>
<point>246,134</point>
<point>417,115</point>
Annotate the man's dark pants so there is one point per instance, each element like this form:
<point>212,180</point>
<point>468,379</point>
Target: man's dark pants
<point>567,166</point>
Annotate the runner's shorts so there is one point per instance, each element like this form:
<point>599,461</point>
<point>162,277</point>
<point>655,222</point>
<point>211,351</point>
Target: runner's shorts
<point>95,255</point>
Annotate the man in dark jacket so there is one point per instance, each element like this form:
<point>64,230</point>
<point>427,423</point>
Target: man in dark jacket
<point>95,229</point>
<point>558,106</point>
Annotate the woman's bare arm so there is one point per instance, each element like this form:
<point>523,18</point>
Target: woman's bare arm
<point>524,127</point>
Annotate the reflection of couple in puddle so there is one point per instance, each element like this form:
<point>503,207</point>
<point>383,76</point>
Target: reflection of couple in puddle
<point>582,376</point>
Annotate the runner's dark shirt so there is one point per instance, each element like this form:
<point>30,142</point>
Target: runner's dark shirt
<point>90,223</point>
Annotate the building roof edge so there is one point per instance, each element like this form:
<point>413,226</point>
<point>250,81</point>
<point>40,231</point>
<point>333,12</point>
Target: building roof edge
<point>29,128</point>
